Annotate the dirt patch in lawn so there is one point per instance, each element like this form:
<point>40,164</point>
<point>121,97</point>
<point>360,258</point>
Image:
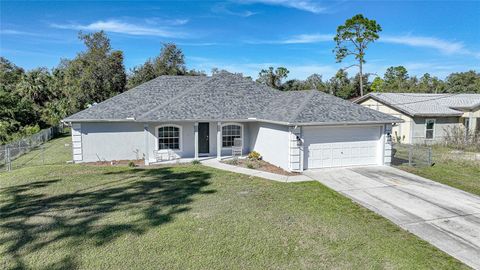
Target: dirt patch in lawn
<point>138,163</point>
<point>260,165</point>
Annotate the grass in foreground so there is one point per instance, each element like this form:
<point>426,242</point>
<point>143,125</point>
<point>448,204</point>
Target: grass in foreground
<point>464,175</point>
<point>191,216</point>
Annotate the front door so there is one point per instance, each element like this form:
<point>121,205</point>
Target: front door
<point>203,142</point>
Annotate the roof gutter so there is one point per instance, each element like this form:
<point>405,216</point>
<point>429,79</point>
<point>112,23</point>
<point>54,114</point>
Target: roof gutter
<point>347,123</point>
<point>233,120</point>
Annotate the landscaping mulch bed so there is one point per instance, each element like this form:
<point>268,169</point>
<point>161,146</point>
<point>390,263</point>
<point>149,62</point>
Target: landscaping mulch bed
<point>260,165</point>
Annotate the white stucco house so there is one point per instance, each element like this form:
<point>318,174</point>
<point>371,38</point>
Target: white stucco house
<point>427,117</point>
<point>174,117</point>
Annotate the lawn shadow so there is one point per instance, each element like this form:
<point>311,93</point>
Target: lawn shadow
<point>136,202</point>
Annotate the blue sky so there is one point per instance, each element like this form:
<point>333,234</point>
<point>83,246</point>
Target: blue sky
<point>245,36</point>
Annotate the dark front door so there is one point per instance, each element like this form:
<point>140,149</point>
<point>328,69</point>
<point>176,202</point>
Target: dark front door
<point>203,142</point>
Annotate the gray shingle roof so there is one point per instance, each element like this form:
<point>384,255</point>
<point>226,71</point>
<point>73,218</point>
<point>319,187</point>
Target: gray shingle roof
<point>415,104</point>
<point>226,97</point>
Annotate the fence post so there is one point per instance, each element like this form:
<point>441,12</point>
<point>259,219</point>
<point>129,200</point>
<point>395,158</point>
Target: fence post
<point>410,154</point>
<point>8,160</point>
<point>6,157</point>
<point>43,154</point>
<point>429,156</point>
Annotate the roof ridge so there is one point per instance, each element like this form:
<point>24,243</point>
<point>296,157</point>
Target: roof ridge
<point>184,93</point>
<point>302,106</point>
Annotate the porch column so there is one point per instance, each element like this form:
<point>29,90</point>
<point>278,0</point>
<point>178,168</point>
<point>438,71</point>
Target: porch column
<point>219,140</point>
<point>147,148</point>
<point>195,129</point>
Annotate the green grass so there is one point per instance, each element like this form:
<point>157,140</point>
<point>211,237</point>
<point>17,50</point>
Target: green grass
<point>464,175</point>
<point>57,151</point>
<point>192,217</point>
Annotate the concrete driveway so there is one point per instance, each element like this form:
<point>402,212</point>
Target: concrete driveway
<point>446,217</point>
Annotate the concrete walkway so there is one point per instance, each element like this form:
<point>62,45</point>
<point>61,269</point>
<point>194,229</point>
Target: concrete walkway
<point>446,217</point>
<point>270,176</point>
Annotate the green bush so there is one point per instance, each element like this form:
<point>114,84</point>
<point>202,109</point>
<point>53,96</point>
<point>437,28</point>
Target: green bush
<point>131,164</point>
<point>254,155</point>
<point>196,162</point>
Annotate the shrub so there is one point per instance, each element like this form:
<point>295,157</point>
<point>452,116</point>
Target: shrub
<point>196,162</point>
<point>254,155</point>
<point>250,165</point>
<point>457,138</point>
<point>131,164</point>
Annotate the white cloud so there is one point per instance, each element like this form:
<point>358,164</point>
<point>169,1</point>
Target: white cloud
<point>222,8</point>
<point>443,46</point>
<point>16,32</point>
<point>296,39</point>
<point>305,5</point>
<point>308,38</point>
<point>116,26</point>
<point>179,21</point>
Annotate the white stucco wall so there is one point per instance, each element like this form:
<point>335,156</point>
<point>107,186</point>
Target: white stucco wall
<point>188,139</point>
<point>441,123</point>
<point>112,141</point>
<point>399,130</point>
<point>271,141</point>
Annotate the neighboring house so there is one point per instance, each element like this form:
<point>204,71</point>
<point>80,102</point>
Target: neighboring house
<point>193,116</point>
<point>426,116</point>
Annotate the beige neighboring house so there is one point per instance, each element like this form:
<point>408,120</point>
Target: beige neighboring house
<point>426,116</point>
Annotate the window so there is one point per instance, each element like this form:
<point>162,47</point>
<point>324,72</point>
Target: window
<point>230,133</point>
<point>429,128</point>
<point>169,138</point>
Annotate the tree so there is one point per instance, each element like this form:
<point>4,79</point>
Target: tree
<point>377,85</point>
<point>171,61</point>
<point>15,112</point>
<point>93,75</point>
<point>271,77</point>
<point>35,85</point>
<point>314,81</point>
<point>10,75</point>
<point>396,79</point>
<point>463,82</point>
<point>340,85</point>
<point>353,38</point>
<point>294,85</point>
<point>356,84</point>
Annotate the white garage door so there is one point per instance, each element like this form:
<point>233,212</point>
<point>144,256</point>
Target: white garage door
<point>341,146</point>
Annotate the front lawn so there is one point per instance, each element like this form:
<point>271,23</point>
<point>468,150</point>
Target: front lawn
<point>192,217</point>
<point>464,175</point>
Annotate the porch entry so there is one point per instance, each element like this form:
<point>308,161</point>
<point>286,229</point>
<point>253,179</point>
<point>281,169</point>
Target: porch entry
<point>203,138</point>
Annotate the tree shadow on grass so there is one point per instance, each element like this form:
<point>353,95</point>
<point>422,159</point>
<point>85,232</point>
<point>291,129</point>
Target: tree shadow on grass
<point>98,214</point>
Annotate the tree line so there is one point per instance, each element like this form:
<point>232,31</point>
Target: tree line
<point>39,98</point>
<point>395,79</point>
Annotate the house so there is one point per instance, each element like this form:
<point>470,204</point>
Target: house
<point>427,117</point>
<point>174,117</point>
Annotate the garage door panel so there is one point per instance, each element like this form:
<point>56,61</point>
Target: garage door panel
<point>341,146</point>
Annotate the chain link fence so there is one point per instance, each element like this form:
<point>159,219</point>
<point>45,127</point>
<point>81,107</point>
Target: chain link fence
<point>412,155</point>
<point>422,155</point>
<point>13,151</point>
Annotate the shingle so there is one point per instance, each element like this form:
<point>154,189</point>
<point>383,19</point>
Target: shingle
<point>140,99</point>
<point>226,97</point>
<point>416,104</point>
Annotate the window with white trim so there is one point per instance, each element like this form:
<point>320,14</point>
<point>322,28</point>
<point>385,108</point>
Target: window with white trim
<point>429,128</point>
<point>230,133</point>
<point>169,138</point>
